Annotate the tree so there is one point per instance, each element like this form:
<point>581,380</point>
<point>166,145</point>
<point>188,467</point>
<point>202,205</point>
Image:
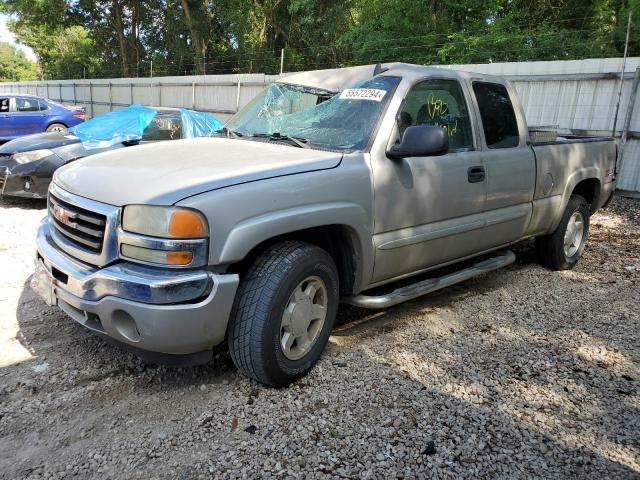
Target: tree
<point>14,65</point>
<point>111,38</point>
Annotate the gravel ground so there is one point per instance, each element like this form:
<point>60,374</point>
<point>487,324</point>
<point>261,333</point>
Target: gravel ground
<point>519,373</point>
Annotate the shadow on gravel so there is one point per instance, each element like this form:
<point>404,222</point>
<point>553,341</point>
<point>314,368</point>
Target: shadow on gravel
<point>48,333</point>
<point>624,207</point>
<point>485,434</point>
<point>492,360</point>
<point>24,203</point>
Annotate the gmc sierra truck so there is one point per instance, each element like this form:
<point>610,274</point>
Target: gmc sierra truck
<point>329,186</point>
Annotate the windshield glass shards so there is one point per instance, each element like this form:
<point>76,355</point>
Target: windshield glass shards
<point>336,121</point>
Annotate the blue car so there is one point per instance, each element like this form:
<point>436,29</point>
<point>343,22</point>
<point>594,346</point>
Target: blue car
<point>22,114</point>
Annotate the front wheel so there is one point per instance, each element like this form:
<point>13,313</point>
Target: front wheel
<point>562,249</point>
<point>283,313</point>
<point>56,127</point>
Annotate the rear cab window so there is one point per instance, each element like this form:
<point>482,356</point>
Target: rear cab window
<point>4,104</point>
<point>499,121</point>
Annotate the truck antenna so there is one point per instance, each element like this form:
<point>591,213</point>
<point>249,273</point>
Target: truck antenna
<point>379,69</point>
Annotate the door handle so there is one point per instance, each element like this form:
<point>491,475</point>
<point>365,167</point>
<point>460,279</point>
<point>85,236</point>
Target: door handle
<point>476,174</point>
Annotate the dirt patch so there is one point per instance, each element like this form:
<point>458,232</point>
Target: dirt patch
<point>519,373</point>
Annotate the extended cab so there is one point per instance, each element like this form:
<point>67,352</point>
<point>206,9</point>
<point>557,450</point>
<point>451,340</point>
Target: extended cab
<point>326,187</point>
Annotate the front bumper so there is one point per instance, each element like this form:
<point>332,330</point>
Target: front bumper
<point>30,180</point>
<point>150,309</point>
<point>27,186</point>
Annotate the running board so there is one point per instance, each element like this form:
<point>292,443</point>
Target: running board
<point>409,292</point>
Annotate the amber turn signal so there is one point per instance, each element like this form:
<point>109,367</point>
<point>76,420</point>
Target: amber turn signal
<point>160,257</point>
<point>179,258</point>
<point>186,224</point>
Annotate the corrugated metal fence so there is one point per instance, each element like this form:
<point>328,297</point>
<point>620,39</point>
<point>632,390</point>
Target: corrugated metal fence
<point>221,95</point>
<point>579,96</point>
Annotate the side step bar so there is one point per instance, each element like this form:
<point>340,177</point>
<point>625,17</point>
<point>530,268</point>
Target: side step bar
<point>409,292</point>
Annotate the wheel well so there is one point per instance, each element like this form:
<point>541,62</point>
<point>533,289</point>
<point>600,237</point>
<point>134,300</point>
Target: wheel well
<point>337,240</point>
<point>589,190</point>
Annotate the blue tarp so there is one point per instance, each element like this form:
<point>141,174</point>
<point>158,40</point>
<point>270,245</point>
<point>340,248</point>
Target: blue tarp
<point>198,124</point>
<point>123,125</point>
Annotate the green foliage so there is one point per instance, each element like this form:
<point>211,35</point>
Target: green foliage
<point>475,31</point>
<point>124,37</point>
<point>14,65</point>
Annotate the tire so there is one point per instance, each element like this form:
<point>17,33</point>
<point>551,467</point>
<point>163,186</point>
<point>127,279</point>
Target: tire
<point>56,127</point>
<point>259,338</point>
<point>551,248</point>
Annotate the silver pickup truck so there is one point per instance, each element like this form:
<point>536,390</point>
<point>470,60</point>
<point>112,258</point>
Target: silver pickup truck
<point>329,186</point>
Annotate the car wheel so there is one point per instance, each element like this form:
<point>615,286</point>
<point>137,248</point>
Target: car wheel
<point>56,127</point>
<point>283,313</point>
<point>563,248</point>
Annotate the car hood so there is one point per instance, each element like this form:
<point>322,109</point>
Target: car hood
<point>38,141</point>
<point>164,173</point>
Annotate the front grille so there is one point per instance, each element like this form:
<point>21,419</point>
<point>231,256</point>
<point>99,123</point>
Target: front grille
<point>83,228</point>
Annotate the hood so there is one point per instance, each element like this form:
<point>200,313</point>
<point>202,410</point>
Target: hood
<point>164,173</point>
<point>38,141</point>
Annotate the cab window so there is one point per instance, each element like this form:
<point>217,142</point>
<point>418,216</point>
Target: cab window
<point>42,106</point>
<point>440,103</point>
<point>498,117</point>
<point>4,104</point>
<point>27,104</point>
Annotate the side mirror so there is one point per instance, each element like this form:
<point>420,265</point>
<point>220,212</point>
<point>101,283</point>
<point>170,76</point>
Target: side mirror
<point>420,141</point>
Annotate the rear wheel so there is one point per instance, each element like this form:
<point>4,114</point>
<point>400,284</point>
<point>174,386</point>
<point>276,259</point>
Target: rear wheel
<point>563,248</point>
<point>283,314</point>
<point>56,127</point>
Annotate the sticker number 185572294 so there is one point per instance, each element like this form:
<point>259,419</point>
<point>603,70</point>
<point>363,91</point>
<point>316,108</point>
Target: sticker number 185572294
<point>363,94</point>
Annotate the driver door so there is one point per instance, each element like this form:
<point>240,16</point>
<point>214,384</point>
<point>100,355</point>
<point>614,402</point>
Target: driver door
<point>429,210</point>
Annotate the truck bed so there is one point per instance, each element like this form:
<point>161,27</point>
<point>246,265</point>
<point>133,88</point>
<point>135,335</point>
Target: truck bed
<point>557,162</point>
<point>564,139</point>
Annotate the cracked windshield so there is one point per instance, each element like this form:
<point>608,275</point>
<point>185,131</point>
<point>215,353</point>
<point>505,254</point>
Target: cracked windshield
<point>316,118</point>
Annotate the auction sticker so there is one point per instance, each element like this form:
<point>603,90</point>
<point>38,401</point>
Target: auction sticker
<point>363,94</point>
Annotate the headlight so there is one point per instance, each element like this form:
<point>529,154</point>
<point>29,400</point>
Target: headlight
<point>171,236</point>
<point>32,156</point>
<point>166,222</point>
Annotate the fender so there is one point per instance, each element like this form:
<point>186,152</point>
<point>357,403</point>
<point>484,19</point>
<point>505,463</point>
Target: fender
<point>250,232</point>
<point>584,173</point>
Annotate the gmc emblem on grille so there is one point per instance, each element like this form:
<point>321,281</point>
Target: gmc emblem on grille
<point>64,216</point>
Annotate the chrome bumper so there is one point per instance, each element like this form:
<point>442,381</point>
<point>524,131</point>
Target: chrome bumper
<point>154,309</point>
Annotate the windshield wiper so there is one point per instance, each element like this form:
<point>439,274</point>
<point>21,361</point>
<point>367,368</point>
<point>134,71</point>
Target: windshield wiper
<point>230,133</point>
<point>276,136</point>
